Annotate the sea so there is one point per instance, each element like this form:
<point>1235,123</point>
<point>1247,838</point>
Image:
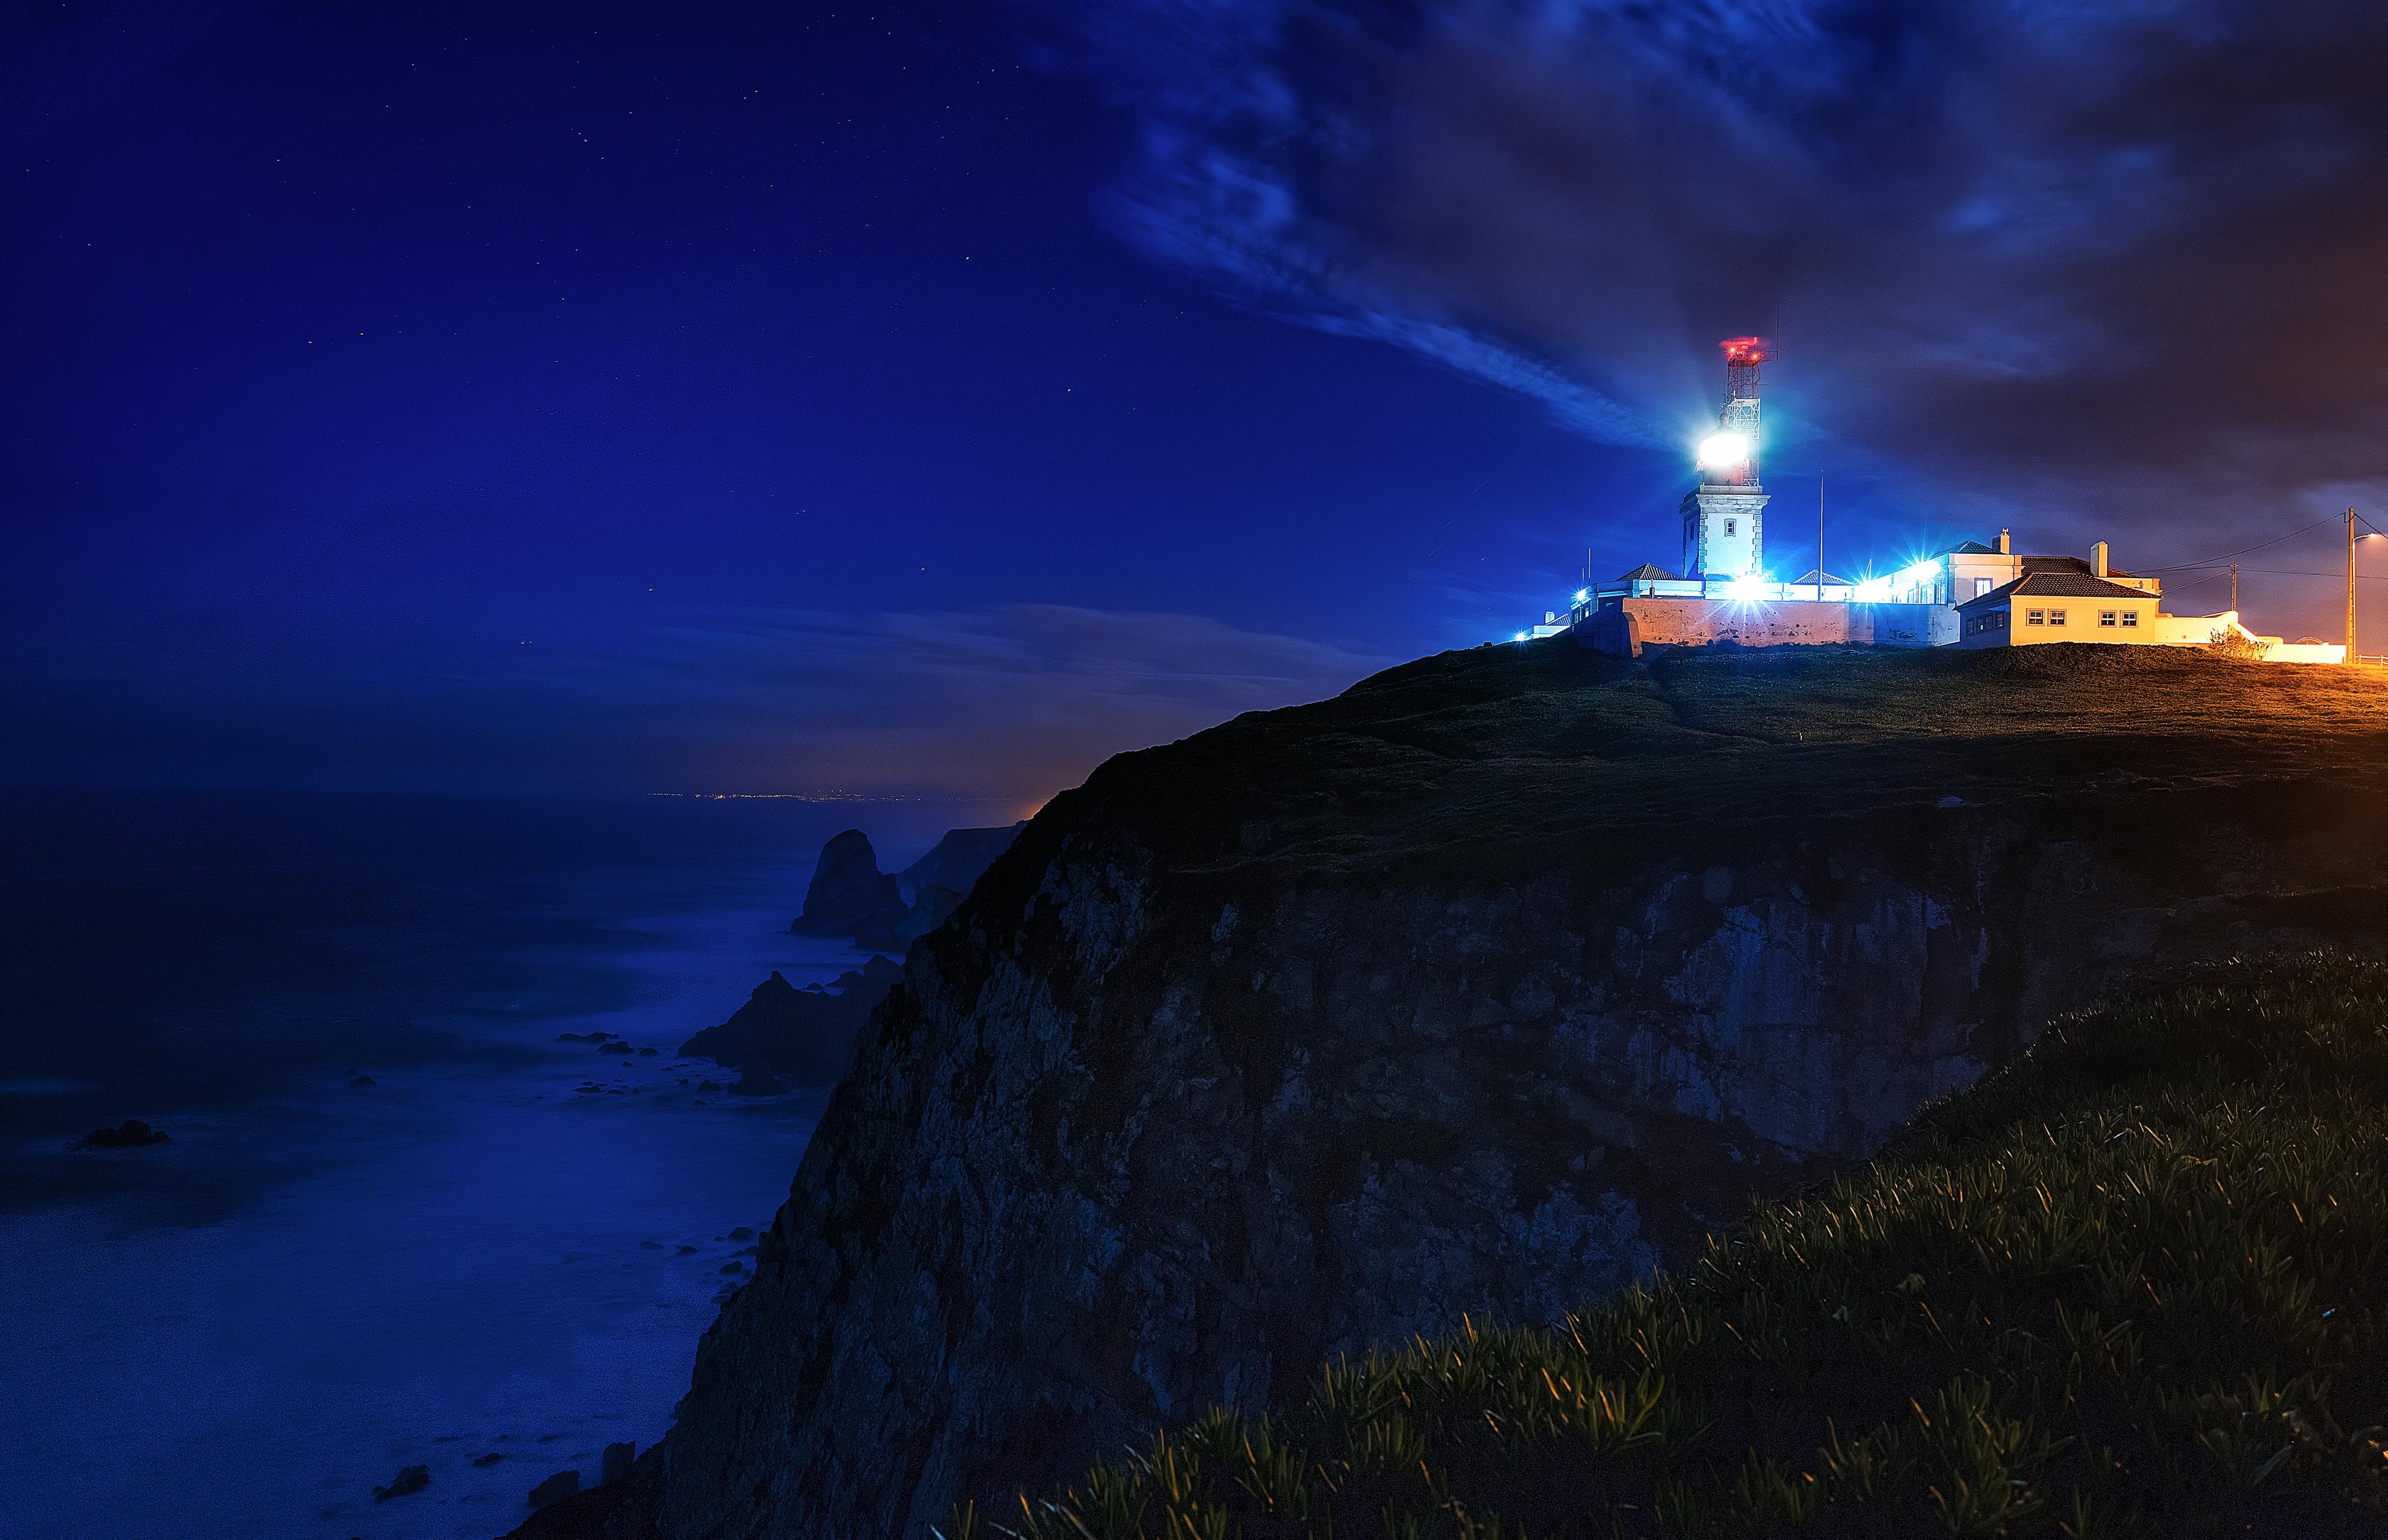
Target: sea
<point>401,1220</point>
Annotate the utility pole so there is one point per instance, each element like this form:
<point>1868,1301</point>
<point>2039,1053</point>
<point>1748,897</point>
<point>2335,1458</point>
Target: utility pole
<point>2234,588</point>
<point>2350,585</point>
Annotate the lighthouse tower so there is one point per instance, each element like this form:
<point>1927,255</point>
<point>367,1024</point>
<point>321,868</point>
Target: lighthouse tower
<point>1724,517</point>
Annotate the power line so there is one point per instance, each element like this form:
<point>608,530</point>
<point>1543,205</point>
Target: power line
<point>2209,560</point>
<point>2287,572</point>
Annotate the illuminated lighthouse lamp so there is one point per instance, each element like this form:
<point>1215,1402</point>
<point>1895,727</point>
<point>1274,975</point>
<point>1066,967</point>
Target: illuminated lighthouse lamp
<point>1722,452</point>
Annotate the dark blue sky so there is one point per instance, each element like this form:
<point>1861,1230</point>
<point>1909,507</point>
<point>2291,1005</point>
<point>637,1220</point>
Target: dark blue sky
<point>924,399</point>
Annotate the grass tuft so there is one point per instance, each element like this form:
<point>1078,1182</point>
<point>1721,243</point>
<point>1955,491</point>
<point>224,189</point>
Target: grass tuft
<point>2136,1284</point>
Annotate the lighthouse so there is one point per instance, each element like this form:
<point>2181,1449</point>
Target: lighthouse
<point>1724,517</point>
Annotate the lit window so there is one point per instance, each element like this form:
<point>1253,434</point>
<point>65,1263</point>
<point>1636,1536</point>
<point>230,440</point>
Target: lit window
<point>2106,617</point>
<point>1981,587</point>
<point>2130,617</point>
<point>2056,617</point>
<point>2035,617</point>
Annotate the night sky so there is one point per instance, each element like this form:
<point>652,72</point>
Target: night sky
<point>928,401</point>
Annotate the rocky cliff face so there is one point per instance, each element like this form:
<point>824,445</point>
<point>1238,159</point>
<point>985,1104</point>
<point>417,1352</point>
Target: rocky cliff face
<point>1484,988</point>
<point>957,861</point>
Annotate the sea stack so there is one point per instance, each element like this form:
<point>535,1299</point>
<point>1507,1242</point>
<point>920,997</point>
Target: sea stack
<point>849,894</point>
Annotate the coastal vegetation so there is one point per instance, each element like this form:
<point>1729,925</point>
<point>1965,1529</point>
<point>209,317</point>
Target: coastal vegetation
<point>2129,1285</point>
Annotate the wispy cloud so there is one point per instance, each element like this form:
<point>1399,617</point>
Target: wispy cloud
<point>2113,256</point>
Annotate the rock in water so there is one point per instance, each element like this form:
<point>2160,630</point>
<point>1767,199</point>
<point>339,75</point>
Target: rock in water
<point>1481,988</point>
<point>849,895</point>
<point>758,1082</point>
<point>413,1479</point>
<point>132,1134</point>
<point>805,1034</point>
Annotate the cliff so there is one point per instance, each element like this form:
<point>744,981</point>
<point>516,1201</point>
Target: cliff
<point>2128,1287</point>
<point>1485,987</point>
<point>956,861</point>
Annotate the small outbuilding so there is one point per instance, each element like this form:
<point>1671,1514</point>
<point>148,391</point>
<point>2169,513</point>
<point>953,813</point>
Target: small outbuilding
<point>2058,606</point>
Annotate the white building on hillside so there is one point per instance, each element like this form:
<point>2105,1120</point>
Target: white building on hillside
<point>1968,571</point>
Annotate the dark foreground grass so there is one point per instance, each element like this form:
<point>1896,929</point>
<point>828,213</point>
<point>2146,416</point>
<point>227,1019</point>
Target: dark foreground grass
<point>2137,1284</point>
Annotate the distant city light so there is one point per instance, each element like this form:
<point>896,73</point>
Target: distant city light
<point>1722,450</point>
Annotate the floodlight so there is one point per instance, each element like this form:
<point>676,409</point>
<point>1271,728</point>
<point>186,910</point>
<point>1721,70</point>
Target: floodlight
<point>1723,451</point>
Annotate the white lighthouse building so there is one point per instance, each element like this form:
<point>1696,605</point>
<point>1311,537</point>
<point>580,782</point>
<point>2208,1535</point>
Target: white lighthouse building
<point>1970,594</point>
<point>1724,517</point>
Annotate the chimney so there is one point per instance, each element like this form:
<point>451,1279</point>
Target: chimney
<point>2098,559</point>
<point>2003,544</point>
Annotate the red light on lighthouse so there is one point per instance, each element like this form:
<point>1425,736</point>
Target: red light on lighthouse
<point>1741,353</point>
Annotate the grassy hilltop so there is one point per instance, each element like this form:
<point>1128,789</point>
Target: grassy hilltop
<point>2135,1284</point>
<point>1528,754</point>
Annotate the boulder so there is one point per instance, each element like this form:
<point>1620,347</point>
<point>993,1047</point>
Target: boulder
<point>617,1464</point>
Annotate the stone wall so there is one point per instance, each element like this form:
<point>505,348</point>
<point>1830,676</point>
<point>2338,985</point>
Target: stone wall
<point>1629,624</point>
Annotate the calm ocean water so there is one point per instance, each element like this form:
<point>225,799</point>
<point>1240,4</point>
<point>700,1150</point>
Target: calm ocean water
<point>319,1281</point>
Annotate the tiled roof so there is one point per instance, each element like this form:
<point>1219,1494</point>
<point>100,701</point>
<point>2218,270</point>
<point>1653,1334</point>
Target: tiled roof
<point>2057,585</point>
<point>1969,547</point>
<point>1647,571</point>
<point>1812,578</point>
<point>2065,564</point>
